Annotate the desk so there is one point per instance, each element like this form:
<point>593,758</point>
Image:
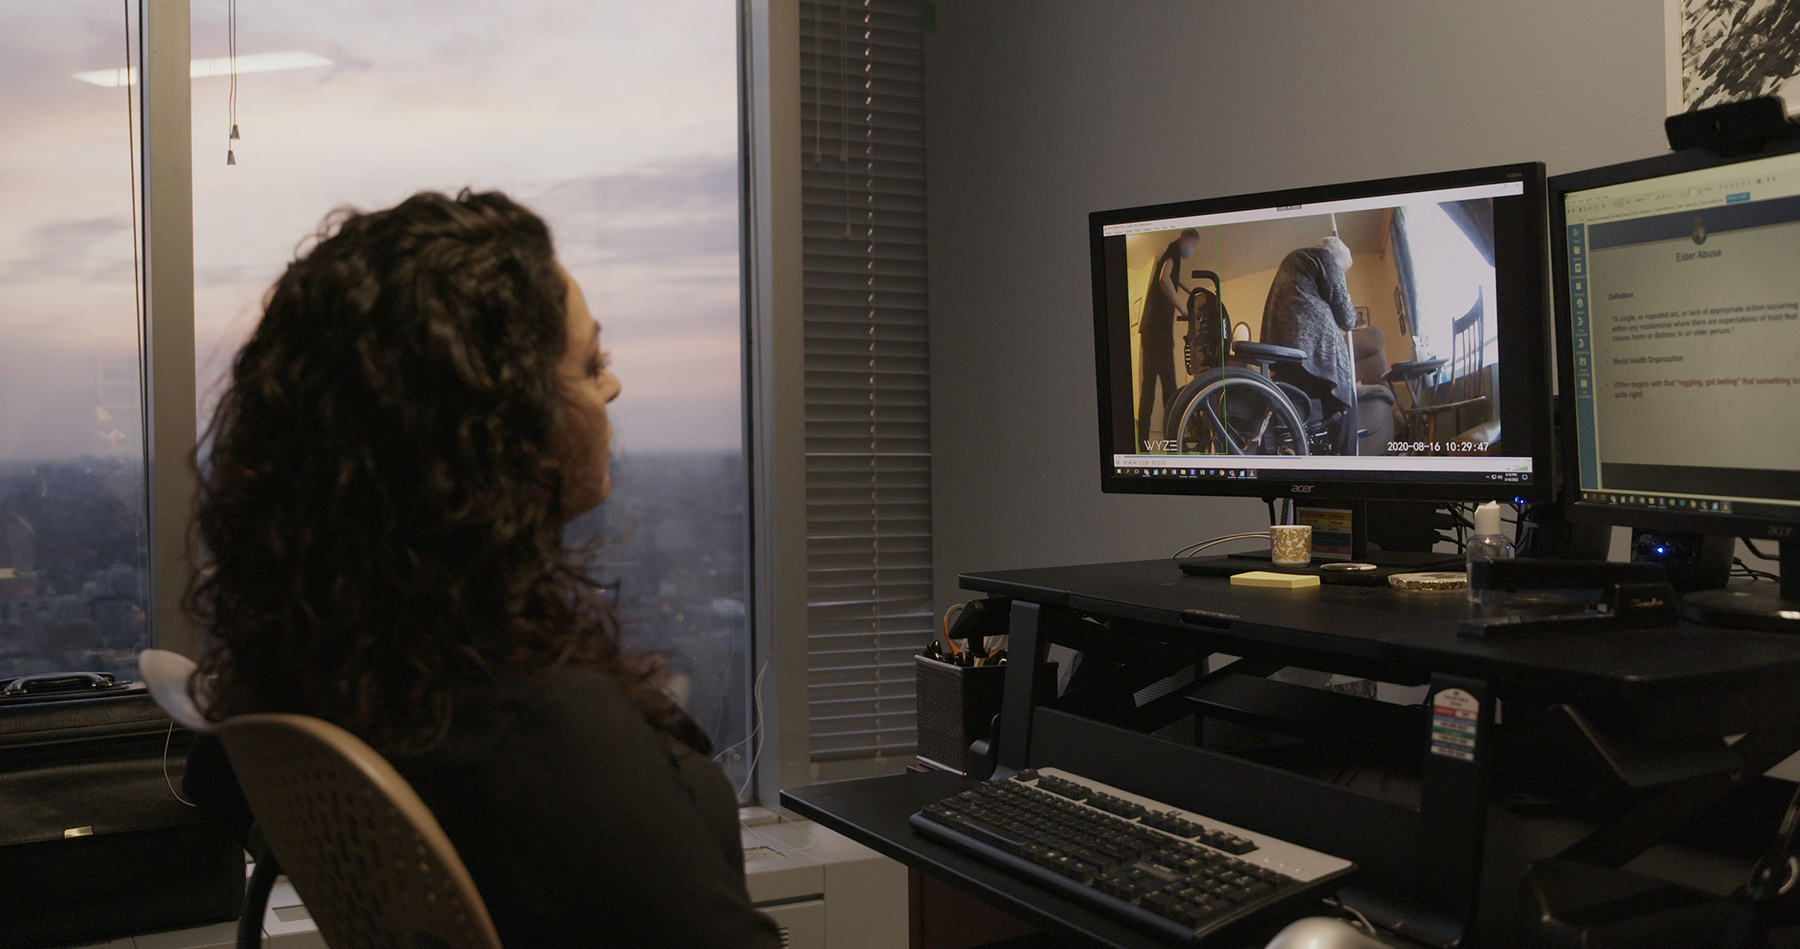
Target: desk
<point>873,812</point>
<point>1656,701</point>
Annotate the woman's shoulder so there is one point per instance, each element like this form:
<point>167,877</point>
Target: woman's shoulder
<point>555,711</point>
<point>589,705</point>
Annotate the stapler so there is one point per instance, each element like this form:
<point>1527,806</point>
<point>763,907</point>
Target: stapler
<point>1552,597</point>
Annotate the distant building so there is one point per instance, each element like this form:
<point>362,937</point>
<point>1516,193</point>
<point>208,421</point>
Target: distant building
<point>675,534</point>
<point>48,607</point>
<point>15,583</point>
<point>18,543</point>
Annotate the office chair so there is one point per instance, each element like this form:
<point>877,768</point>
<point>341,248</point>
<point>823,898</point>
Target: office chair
<point>356,823</point>
<point>166,675</point>
<point>362,850</point>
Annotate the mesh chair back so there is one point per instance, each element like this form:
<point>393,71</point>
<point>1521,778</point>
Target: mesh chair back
<point>375,869</point>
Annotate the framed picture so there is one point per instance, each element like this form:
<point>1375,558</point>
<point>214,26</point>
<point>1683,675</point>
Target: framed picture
<point>1362,318</point>
<point>1719,51</point>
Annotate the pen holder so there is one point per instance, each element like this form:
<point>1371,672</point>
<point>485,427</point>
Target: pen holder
<point>957,705</point>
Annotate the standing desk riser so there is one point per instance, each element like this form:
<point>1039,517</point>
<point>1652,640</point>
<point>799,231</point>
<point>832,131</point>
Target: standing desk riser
<point>1642,711</point>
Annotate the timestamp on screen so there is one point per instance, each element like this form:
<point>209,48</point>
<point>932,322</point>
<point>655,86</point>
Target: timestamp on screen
<point>1437,448</point>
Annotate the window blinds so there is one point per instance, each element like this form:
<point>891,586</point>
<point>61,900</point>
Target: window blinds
<point>868,446</point>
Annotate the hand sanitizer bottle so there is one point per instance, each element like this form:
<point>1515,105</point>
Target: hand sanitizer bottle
<point>1489,543</point>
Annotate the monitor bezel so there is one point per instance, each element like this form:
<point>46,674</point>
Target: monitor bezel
<point>1695,159</point>
<point>1527,240</point>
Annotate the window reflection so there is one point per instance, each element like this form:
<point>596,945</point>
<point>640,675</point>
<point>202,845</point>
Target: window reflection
<point>72,557</point>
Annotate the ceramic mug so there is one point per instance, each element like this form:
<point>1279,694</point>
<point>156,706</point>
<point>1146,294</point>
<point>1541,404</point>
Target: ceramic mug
<point>1290,545</point>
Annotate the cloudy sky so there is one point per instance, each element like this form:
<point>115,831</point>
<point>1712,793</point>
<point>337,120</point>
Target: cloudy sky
<point>615,120</point>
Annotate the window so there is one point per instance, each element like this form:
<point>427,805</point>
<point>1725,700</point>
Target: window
<point>1448,275</point>
<point>868,430</point>
<point>72,538</point>
<point>615,121</point>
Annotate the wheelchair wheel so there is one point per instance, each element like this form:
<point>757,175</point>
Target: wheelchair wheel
<point>1237,411</point>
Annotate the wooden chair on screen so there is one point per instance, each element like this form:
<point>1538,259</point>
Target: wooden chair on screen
<point>1468,354</point>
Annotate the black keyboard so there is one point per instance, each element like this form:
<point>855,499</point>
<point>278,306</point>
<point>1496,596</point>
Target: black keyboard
<point>1178,874</point>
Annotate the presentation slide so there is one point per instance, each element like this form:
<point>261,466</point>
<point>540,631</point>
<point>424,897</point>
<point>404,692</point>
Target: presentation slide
<point>1696,340</point>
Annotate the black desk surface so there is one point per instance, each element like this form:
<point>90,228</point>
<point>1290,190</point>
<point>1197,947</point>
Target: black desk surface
<point>1414,630</point>
<point>873,812</point>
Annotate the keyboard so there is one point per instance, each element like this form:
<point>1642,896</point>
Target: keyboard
<point>1174,873</point>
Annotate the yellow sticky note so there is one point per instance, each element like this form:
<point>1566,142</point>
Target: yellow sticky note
<point>1278,581</point>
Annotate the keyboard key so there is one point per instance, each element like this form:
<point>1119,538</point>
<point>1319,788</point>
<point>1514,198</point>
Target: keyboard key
<point>992,836</point>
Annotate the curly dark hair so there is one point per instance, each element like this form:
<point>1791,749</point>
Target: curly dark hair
<point>381,511</point>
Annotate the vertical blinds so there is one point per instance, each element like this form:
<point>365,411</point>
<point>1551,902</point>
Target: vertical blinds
<point>868,439</point>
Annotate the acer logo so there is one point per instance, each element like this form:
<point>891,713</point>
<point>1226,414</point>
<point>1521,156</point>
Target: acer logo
<point>1302,489</point>
<point>1780,531</point>
<point>1167,444</point>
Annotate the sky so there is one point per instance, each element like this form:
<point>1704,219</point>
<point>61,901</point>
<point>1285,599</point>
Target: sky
<point>615,121</point>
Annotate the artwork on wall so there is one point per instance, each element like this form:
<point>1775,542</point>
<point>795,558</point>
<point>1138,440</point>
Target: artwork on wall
<point>1720,51</point>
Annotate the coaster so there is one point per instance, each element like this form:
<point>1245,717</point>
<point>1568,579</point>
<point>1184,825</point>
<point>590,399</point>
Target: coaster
<point>1433,580</point>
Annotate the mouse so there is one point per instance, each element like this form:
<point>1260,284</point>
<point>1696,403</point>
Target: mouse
<point>1324,932</point>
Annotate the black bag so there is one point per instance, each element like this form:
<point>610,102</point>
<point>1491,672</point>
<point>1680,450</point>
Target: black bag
<point>93,842</point>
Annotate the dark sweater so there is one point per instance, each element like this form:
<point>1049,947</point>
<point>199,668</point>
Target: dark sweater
<point>1309,309</point>
<point>585,826</point>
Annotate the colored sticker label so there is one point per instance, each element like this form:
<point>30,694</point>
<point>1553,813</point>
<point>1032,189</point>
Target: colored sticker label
<point>1454,715</point>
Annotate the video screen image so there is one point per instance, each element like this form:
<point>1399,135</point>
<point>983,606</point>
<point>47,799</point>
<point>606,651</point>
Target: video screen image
<point>1319,337</point>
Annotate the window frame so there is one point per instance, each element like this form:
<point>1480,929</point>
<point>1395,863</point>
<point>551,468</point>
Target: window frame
<point>774,386</point>
<point>170,426</point>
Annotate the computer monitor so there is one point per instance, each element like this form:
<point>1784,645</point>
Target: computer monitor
<point>1383,339</point>
<point>1678,320</point>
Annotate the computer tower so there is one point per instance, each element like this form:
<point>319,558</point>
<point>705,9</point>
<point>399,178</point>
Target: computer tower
<point>1694,561</point>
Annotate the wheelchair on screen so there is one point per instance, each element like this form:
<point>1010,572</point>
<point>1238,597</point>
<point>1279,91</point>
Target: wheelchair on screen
<point>1237,410</point>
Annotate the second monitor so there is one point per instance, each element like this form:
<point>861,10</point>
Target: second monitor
<point>1378,339</point>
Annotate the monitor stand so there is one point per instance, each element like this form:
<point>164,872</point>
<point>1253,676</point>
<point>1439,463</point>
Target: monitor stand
<point>1767,606</point>
<point>1387,561</point>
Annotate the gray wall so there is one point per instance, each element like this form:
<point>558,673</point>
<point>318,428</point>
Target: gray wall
<point>1039,112</point>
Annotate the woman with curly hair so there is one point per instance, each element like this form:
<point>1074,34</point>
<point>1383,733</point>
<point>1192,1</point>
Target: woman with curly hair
<point>420,411</point>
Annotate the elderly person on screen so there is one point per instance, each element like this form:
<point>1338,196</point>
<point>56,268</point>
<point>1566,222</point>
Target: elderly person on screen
<point>1309,309</point>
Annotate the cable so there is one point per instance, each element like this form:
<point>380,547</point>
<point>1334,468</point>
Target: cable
<point>137,291</point>
<point>1757,551</point>
<point>756,729</point>
<point>1193,549</point>
<point>756,721</point>
<point>167,739</point>
<point>231,97</point>
<point>137,265</point>
<point>783,845</point>
<point>1341,906</point>
<point>1742,569</point>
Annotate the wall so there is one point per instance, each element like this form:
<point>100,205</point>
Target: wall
<point>1040,112</point>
